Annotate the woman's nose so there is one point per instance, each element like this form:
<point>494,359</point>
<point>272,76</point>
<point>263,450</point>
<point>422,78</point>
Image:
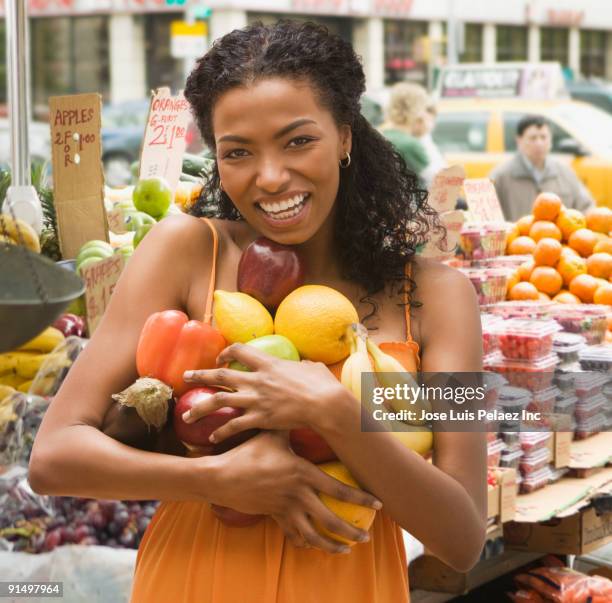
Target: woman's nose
<point>272,175</point>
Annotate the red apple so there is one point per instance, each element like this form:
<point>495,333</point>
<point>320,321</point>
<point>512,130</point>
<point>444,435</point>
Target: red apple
<point>198,433</point>
<point>310,445</point>
<point>269,271</point>
<point>233,518</point>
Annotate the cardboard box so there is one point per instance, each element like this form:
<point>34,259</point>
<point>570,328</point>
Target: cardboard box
<point>561,441</point>
<point>592,452</point>
<point>501,500</point>
<point>577,534</point>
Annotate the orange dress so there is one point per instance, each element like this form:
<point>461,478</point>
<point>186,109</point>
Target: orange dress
<point>188,556</point>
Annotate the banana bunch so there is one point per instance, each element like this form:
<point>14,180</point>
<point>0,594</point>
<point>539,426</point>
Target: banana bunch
<point>19,367</point>
<point>14,231</point>
<point>384,369</point>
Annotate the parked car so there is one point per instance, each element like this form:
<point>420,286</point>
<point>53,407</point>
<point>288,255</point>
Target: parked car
<point>481,133</point>
<point>594,93</point>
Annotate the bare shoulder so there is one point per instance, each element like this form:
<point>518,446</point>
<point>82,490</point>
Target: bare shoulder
<point>436,280</point>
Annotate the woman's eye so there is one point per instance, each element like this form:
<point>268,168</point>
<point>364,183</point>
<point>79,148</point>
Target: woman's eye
<point>300,141</point>
<point>235,154</point>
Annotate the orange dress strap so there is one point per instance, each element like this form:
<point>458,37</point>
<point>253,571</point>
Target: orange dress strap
<point>213,273</point>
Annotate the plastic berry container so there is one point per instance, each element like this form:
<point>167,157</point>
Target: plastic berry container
<point>490,341</point>
<point>567,346</point>
<point>492,383</point>
<point>511,459</point>
<point>494,450</point>
<point>586,409</point>
<point>565,381</point>
<point>534,440</point>
<point>589,384</point>
<point>588,320</point>
<point>590,427</point>
<point>544,400</point>
<point>533,375</point>
<point>523,339</point>
<point>480,241</point>
<point>565,404</point>
<point>534,461</point>
<point>491,284</point>
<point>536,480</point>
<point>511,439</point>
<point>596,358</point>
<point>504,261</point>
<point>535,310</point>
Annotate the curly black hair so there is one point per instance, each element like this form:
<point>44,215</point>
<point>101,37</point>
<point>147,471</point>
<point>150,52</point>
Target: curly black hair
<point>382,215</point>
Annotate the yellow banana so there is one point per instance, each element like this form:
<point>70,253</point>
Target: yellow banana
<point>19,230</point>
<point>357,363</point>
<point>46,341</point>
<point>5,392</point>
<point>419,439</point>
<point>11,379</point>
<point>25,386</point>
<point>8,363</point>
<point>28,364</point>
<point>391,374</point>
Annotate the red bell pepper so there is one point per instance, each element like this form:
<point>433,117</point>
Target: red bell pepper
<point>171,344</point>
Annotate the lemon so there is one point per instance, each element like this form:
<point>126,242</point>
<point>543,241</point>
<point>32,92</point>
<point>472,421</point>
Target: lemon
<point>241,317</point>
<point>356,515</point>
<point>315,318</point>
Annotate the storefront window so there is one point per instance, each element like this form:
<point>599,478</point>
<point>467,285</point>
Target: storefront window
<point>511,43</point>
<point>554,45</point>
<point>70,55</point>
<point>472,44</point>
<point>162,68</point>
<point>593,53</point>
<point>405,51</point>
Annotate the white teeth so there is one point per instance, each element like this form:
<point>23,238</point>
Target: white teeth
<point>283,205</point>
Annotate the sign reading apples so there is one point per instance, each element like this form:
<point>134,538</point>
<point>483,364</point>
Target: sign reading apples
<point>164,141</point>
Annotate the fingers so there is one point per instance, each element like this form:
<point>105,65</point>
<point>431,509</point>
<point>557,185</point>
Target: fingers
<point>206,405</point>
<point>336,489</point>
<point>242,423</point>
<point>291,532</point>
<point>220,377</point>
<point>313,538</point>
<point>251,357</point>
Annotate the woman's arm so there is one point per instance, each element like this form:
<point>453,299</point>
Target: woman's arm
<point>71,454</point>
<point>444,504</point>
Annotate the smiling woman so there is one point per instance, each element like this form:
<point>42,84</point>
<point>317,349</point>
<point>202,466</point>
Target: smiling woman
<point>297,163</point>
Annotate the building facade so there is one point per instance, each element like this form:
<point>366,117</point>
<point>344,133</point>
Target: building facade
<point>121,48</point>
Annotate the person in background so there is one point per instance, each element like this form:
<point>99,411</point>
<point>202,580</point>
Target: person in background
<point>531,171</point>
<point>408,102</point>
<point>422,129</point>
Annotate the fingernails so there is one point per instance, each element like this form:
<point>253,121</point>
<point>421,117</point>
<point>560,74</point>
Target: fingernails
<point>187,417</point>
<point>377,505</point>
<point>344,550</point>
<point>187,375</point>
<point>364,538</point>
<point>212,439</point>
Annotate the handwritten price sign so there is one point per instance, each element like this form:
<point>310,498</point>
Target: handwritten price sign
<point>100,280</point>
<point>482,200</point>
<point>164,141</point>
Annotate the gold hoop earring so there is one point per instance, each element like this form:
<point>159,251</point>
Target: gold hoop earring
<point>348,161</point>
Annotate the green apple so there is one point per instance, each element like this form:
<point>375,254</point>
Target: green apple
<point>275,345</point>
<point>99,250</point>
<point>135,219</point>
<point>140,233</point>
<point>126,251</point>
<point>152,196</point>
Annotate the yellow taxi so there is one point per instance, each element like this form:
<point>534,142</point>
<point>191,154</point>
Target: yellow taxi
<point>479,133</point>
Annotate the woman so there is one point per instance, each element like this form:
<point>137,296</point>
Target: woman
<point>280,107</point>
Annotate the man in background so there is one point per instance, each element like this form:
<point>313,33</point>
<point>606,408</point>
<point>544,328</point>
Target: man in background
<point>531,171</point>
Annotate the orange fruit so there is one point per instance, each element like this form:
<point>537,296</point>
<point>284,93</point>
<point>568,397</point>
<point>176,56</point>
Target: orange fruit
<point>584,287</point>
<point>524,291</point>
<point>603,295</point>
<point>604,245</point>
<point>565,297</point>
<point>570,267</point>
<point>513,233</point>
<point>315,318</point>
<point>599,219</point>
<point>609,317</point>
<point>524,270</point>
<point>546,280</point>
<point>608,338</point>
<point>524,224</point>
<point>356,515</point>
<point>513,280</point>
<point>547,252</point>
<point>546,206</point>
<point>543,229</point>
<point>600,265</point>
<point>543,296</point>
<point>567,251</point>
<point>570,220</point>
<point>521,246</point>
<point>583,241</point>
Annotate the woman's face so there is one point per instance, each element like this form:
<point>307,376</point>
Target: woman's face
<point>278,152</point>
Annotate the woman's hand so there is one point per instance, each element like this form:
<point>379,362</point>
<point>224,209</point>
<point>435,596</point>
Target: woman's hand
<point>275,394</point>
<point>263,476</point>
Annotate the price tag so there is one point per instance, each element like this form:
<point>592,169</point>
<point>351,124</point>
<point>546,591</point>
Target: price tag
<point>482,200</point>
<point>439,249</point>
<point>78,182</point>
<point>116,221</point>
<point>164,141</point>
<point>100,280</point>
<point>446,188</point>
